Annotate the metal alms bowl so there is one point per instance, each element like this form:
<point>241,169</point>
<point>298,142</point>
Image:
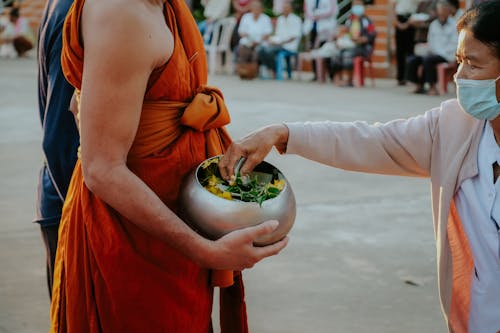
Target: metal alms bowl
<point>214,216</point>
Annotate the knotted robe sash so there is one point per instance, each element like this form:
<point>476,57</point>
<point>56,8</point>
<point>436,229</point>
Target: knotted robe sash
<point>162,122</point>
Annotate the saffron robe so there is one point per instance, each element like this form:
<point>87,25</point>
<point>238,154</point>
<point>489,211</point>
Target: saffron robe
<point>110,276</point>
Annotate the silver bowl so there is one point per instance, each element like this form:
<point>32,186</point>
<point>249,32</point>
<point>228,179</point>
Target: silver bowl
<point>214,216</point>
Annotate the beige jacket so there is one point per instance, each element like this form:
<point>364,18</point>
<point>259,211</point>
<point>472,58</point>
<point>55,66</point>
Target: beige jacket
<point>441,144</point>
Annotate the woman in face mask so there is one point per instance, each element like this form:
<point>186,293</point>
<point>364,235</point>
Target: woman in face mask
<point>360,30</point>
<point>478,74</point>
<point>456,145</point>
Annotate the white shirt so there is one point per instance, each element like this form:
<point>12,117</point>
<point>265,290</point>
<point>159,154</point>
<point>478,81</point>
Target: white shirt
<point>478,205</point>
<point>289,27</point>
<point>254,29</point>
<point>327,24</point>
<point>217,9</point>
<point>443,39</point>
<point>404,7</point>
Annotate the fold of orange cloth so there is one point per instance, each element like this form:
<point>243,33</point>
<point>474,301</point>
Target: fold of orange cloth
<point>208,112</point>
<point>161,124</point>
<point>463,271</point>
<point>72,52</point>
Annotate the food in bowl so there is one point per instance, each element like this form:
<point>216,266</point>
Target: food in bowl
<point>256,187</point>
<point>215,207</point>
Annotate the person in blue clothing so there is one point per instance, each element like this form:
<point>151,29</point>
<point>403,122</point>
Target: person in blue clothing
<point>60,138</point>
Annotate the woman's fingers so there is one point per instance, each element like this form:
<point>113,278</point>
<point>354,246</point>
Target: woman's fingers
<point>251,162</point>
<point>254,147</point>
<point>229,160</point>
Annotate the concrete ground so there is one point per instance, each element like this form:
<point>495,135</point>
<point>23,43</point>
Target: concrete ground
<point>361,256</point>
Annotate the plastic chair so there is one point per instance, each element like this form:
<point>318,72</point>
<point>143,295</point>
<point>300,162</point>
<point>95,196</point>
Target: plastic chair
<point>284,56</point>
<point>220,43</point>
<point>445,72</point>
<point>359,70</point>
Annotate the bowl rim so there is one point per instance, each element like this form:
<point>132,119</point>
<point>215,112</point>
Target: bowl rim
<point>249,203</point>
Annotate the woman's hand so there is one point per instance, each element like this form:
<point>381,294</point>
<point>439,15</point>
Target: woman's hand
<point>254,147</point>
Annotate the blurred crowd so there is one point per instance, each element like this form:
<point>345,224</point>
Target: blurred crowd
<point>16,35</point>
<point>269,41</point>
<point>425,36</point>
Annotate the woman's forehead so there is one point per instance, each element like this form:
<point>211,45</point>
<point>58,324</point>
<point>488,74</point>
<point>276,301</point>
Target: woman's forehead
<point>471,48</point>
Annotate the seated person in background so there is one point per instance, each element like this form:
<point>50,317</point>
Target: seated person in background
<point>456,11</point>
<point>285,39</point>
<point>4,20</point>
<point>254,29</point>
<point>442,41</point>
<point>422,18</point>
<point>241,7</point>
<point>320,23</point>
<point>17,32</point>
<point>361,31</point>
<point>278,6</point>
<point>404,34</point>
<point>6,31</point>
<point>214,10</point>
<point>320,20</point>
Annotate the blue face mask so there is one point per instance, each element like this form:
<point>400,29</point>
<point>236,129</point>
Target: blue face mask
<point>478,97</point>
<point>358,10</point>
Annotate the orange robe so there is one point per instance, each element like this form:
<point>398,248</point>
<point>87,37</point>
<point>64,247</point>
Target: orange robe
<point>110,276</point>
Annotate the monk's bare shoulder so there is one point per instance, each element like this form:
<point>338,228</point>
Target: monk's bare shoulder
<point>128,28</point>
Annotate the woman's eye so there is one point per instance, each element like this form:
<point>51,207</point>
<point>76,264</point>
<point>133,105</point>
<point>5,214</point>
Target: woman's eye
<point>471,65</point>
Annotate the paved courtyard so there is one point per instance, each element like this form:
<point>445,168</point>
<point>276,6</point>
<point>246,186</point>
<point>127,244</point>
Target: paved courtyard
<point>361,256</point>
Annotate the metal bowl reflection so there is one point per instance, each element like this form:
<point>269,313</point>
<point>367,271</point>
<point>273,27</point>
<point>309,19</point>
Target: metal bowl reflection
<point>214,216</point>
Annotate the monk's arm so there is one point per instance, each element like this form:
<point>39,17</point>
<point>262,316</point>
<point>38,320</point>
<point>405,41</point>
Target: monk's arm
<point>122,47</point>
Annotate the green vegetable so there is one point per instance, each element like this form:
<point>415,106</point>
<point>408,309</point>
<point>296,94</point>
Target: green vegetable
<point>258,188</point>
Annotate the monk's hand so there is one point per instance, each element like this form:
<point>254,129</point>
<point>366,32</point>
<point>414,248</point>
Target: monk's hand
<point>254,147</point>
<point>236,251</point>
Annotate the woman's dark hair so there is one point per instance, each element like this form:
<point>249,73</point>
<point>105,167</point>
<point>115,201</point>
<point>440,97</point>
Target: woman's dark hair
<point>483,21</point>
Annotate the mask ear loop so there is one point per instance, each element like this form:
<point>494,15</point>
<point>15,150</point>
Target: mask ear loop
<point>498,77</point>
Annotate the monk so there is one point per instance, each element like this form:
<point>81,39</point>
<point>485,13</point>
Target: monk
<point>126,262</point>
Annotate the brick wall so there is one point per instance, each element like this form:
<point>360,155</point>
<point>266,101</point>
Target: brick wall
<point>33,10</point>
<point>379,13</point>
